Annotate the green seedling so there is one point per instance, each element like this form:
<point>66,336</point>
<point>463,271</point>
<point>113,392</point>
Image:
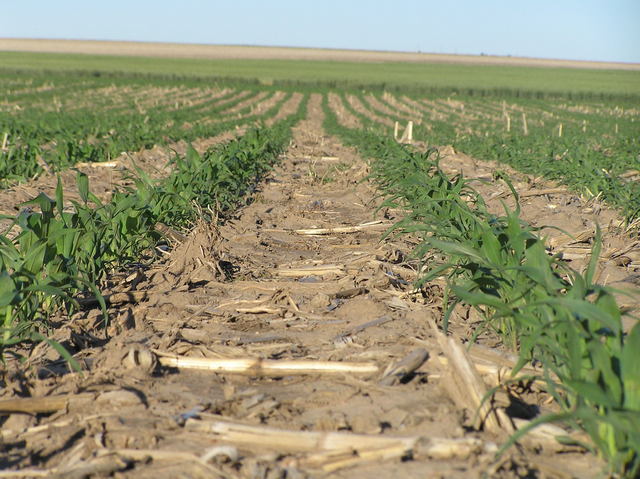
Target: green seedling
<point>500,266</point>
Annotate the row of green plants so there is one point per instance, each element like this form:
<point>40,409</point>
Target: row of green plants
<point>29,158</point>
<point>590,166</point>
<point>52,255</point>
<point>35,89</point>
<point>39,140</point>
<point>28,88</point>
<point>499,265</point>
<point>597,146</point>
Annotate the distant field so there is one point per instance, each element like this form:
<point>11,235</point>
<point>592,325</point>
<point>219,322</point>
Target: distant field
<point>460,75</point>
<point>243,52</point>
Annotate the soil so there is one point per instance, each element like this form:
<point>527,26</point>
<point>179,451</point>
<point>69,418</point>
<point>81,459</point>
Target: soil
<point>288,108</point>
<point>257,287</point>
<point>358,106</point>
<point>345,117</point>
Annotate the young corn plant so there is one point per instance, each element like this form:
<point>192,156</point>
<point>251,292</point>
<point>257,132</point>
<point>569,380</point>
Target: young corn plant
<point>541,307</point>
<point>59,253</point>
<point>38,270</point>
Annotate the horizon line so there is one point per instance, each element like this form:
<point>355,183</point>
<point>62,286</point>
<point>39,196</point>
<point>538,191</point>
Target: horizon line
<point>280,52</point>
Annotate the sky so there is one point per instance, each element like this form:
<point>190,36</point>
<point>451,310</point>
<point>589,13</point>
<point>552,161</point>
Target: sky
<point>602,30</point>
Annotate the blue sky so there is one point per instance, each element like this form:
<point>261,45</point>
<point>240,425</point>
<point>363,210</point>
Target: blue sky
<point>607,30</point>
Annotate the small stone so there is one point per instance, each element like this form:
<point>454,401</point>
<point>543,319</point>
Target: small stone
<point>622,261</point>
<point>396,417</point>
<point>18,422</point>
<point>320,301</point>
<point>365,425</point>
<point>140,359</point>
<point>118,398</point>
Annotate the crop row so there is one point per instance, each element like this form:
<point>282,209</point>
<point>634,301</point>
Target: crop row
<point>593,148</point>
<point>37,140</point>
<point>53,254</point>
<point>26,91</point>
<point>590,145</point>
<point>499,265</point>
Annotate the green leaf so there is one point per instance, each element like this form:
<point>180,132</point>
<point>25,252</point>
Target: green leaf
<point>34,258</point>
<point>591,392</point>
<point>82,181</point>
<point>455,248</point>
<point>630,369</point>
<point>602,359</point>
<point>8,290</point>
<point>515,437</point>
<point>478,298</point>
<point>588,310</point>
<point>59,196</point>
<point>491,247</point>
<point>43,202</point>
<point>74,365</point>
<point>595,256</point>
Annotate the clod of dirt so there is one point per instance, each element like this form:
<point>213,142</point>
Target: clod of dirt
<point>320,301</point>
<point>200,258</point>
<point>140,360</point>
<point>19,422</point>
<point>365,424</point>
<point>118,398</point>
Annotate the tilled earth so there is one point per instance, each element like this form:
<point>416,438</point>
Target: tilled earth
<point>278,281</point>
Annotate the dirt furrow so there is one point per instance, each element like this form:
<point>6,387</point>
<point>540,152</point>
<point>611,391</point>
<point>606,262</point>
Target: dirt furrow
<point>394,102</point>
<point>289,108</point>
<point>253,101</point>
<point>266,103</point>
<point>358,106</point>
<point>203,97</point>
<point>279,281</point>
<point>238,96</point>
<point>396,113</point>
<point>427,113</point>
<point>345,117</point>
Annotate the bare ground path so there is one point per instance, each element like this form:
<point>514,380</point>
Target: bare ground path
<point>336,297</point>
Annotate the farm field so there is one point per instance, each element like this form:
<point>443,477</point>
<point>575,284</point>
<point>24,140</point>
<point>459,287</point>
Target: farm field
<point>346,69</point>
<point>226,278</point>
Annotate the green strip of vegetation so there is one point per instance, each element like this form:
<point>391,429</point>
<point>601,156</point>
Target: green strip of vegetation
<point>56,140</point>
<point>600,142</point>
<point>51,256</point>
<point>539,305</point>
<point>421,76</point>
